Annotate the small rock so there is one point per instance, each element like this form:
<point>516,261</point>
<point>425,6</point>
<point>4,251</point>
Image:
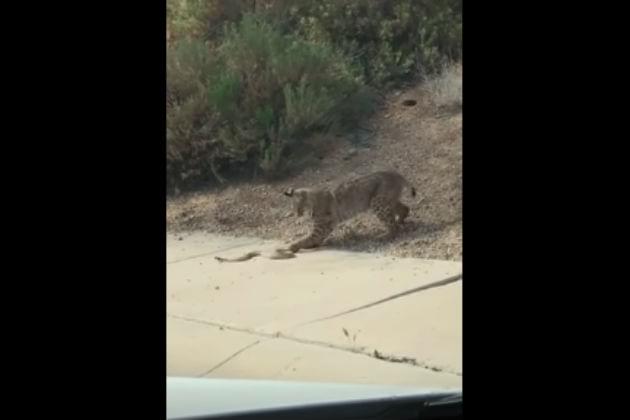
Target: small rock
<point>351,153</point>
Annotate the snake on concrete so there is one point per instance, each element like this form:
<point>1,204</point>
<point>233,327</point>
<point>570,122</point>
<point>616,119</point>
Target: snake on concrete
<point>279,254</point>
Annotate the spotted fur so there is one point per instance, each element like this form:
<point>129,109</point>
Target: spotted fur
<point>378,192</point>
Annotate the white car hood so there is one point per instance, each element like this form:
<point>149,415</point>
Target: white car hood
<point>189,397</point>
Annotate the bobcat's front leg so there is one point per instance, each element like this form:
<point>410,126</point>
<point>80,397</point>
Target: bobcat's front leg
<point>320,232</point>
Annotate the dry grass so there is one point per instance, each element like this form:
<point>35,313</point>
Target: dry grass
<point>445,90</point>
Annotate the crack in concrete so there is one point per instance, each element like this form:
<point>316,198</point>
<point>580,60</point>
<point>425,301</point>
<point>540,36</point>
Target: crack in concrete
<point>387,299</point>
<point>232,356</point>
<point>362,350</point>
<point>412,361</point>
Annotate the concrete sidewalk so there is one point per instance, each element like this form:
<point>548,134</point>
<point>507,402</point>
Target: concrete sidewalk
<point>326,315</point>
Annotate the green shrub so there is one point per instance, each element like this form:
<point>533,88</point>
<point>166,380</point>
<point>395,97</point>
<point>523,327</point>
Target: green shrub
<point>287,87</point>
<point>250,100</point>
<point>390,39</point>
<point>248,81</point>
<point>202,19</point>
<point>187,113</point>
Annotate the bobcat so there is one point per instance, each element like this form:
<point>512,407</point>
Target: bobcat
<point>379,192</point>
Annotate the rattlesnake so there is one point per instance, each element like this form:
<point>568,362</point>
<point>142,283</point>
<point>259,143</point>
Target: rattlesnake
<point>279,254</point>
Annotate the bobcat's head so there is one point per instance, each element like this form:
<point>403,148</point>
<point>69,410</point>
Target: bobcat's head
<point>300,199</point>
<point>313,201</point>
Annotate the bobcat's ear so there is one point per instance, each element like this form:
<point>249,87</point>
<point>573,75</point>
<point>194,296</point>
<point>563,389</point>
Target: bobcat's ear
<point>289,192</point>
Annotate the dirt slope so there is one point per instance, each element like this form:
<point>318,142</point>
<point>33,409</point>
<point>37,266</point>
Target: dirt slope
<point>421,142</point>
